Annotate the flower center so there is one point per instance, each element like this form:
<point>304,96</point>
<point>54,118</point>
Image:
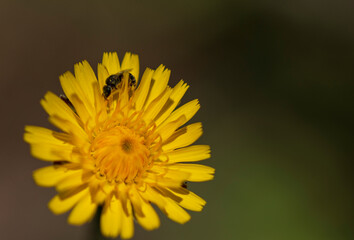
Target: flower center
<point>120,154</point>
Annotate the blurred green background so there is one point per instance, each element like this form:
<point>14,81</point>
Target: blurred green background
<point>275,81</point>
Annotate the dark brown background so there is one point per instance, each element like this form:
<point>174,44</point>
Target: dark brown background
<point>275,80</point>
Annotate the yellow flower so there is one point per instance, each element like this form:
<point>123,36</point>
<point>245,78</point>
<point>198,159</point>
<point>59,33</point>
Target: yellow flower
<point>121,146</point>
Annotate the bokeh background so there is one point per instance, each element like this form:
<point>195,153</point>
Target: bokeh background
<point>275,81</point>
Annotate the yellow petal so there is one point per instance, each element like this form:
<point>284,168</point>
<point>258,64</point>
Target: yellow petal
<point>59,206</point>
<point>162,171</point>
<point>144,212</point>
<point>131,61</point>
<point>175,212</point>
<point>102,74</point>
<point>168,206</point>
<point>47,145</point>
<point>151,220</point>
<point>122,192</point>
<point>166,177</point>
<point>198,172</point>
<point>83,211</point>
<point>54,106</point>
<point>48,152</point>
<point>176,95</point>
<point>77,97</point>
<point>111,63</point>
<point>187,154</point>
<point>167,130</point>
<point>158,84</point>
<point>188,110</point>
<point>87,81</point>
<point>183,137</point>
<point>190,200</point>
<point>156,105</point>
<point>73,180</point>
<point>151,195</point>
<point>136,201</point>
<point>34,134</point>
<point>78,138</point>
<point>143,89</point>
<point>50,176</point>
<point>111,218</point>
<point>100,106</point>
<point>96,190</point>
<point>127,221</point>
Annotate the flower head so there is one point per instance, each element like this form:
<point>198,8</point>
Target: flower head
<point>121,145</point>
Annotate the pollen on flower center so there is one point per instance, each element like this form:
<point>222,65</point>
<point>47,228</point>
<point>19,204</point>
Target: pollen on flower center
<point>120,154</point>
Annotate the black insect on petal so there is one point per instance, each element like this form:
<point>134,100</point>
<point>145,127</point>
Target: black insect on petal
<point>114,80</point>
<point>132,80</point>
<point>106,91</point>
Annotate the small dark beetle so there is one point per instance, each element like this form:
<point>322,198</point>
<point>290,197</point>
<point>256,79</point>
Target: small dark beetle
<point>114,80</point>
